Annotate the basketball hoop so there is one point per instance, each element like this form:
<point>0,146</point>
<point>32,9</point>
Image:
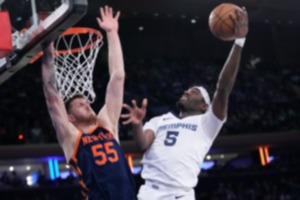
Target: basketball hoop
<point>76,51</point>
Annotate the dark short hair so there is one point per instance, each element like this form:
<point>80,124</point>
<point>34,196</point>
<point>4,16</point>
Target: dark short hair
<point>69,101</point>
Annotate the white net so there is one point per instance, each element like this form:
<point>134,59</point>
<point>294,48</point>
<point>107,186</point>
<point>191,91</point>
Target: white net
<point>76,53</point>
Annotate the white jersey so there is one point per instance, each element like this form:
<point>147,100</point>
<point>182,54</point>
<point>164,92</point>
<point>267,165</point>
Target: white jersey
<point>179,148</point>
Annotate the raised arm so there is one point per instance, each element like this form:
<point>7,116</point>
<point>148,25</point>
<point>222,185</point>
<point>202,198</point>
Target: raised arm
<point>55,105</point>
<point>228,74</point>
<point>110,113</point>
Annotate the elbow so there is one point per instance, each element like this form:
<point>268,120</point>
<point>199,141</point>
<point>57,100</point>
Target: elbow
<point>119,75</point>
<point>224,86</point>
<point>143,139</point>
<point>222,89</point>
<point>142,147</point>
<point>144,143</point>
<point>51,99</point>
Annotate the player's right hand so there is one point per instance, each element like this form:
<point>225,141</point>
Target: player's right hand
<point>241,23</point>
<point>136,114</point>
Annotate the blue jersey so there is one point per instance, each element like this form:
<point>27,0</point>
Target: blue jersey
<point>101,166</point>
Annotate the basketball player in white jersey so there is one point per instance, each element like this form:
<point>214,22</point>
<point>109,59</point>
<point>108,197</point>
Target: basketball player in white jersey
<point>176,145</point>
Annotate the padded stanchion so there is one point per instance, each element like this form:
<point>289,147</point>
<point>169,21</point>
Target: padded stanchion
<point>5,34</point>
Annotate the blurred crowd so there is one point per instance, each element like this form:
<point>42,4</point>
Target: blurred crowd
<point>264,99</point>
<point>279,180</point>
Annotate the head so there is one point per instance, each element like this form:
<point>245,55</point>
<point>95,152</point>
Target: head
<point>194,100</point>
<point>79,110</point>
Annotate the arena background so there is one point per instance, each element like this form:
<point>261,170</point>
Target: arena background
<point>167,46</point>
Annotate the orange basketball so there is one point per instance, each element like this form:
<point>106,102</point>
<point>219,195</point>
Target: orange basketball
<point>220,23</point>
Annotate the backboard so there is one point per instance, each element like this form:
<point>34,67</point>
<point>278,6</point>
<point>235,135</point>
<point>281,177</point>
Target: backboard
<point>47,19</point>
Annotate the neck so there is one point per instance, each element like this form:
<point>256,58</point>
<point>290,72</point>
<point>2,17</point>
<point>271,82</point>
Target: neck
<point>183,114</point>
<point>85,127</point>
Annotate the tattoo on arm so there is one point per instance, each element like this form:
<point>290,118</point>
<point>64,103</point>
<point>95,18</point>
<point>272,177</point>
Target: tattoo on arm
<point>49,80</point>
<point>49,72</point>
<point>48,59</point>
<point>52,81</point>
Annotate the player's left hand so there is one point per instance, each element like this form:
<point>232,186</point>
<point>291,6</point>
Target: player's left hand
<point>107,21</point>
<point>136,114</point>
<point>241,23</point>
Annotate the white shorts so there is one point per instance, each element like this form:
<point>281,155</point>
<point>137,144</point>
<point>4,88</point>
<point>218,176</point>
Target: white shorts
<point>159,191</point>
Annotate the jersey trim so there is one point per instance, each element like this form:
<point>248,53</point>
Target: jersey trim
<point>93,129</point>
<point>82,184</point>
<point>174,114</point>
<point>75,168</point>
<point>76,146</point>
<point>84,194</point>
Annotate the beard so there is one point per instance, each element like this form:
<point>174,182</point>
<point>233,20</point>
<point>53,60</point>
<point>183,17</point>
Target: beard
<point>90,119</point>
<point>188,106</point>
<point>180,106</point>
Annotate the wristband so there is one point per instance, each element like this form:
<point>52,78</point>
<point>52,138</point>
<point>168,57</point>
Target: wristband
<point>240,41</point>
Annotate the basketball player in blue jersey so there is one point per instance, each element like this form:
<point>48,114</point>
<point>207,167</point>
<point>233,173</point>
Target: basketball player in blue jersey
<point>90,142</point>
<point>176,145</point>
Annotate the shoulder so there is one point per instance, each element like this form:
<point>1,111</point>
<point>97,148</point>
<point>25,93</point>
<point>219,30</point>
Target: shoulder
<point>154,122</point>
<point>168,115</point>
<point>210,115</point>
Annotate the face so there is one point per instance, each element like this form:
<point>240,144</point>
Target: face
<point>81,111</point>
<point>192,101</point>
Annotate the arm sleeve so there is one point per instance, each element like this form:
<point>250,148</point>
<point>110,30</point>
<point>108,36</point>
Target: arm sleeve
<point>211,124</point>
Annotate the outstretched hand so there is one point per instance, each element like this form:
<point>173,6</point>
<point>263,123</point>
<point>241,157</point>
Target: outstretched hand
<point>107,21</point>
<point>241,23</point>
<point>136,114</point>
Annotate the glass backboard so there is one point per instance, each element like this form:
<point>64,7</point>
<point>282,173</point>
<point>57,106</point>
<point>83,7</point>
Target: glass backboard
<point>47,19</point>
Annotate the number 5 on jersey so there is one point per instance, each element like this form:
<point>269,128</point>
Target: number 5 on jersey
<point>102,154</point>
<point>171,138</point>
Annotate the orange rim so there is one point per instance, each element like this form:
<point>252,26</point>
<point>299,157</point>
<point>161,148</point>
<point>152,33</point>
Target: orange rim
<point>79,30</point>
<point>72,31</point>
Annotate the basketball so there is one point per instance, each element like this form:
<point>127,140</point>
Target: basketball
<point>220,23</point>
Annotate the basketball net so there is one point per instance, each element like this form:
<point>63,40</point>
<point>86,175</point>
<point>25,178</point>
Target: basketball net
<point>76,53</point>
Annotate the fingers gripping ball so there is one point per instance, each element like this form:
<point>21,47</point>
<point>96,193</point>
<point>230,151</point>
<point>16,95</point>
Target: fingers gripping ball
<point>221,21</point>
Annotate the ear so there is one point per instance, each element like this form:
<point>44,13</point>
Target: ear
<point>204,107</point>
<point>71,118</point>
